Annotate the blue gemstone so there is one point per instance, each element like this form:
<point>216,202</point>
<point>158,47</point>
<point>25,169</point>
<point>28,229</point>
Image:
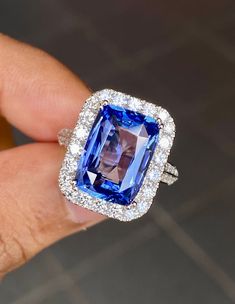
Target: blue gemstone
<point>117,154</point>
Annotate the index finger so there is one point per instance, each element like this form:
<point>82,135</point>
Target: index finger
<point>38,95</point>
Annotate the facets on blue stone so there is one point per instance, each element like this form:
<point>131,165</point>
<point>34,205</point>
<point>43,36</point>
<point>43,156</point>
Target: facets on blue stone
<point>117,154</point>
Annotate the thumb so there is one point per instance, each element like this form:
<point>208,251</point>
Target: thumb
<point>33,212</point>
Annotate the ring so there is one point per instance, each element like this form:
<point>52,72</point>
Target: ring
<point>117,155</point>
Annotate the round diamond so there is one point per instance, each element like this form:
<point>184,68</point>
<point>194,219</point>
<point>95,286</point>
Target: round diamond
<point>93,105</point>
<point>123,101</point>
<point>136,104</point>
<point>160,158</point>
<point>71,166</point>
<point>119,99</point>
<point>169,127</point>
<point>87,117</point>
<point>81,132</point>
<point>154,174</point>
<point>149,109</point>
<point>163,115</point>
<point>103,95</point>
<point>129,214</point>
<point>75,149</point>
<point>142,207</point>
<point>148,192</point>
<point>165,143</point>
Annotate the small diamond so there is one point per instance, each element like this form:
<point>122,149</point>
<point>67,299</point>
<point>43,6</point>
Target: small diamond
<point>119,98</point>
<point>93,105</point>
<point>87,117</point>
<point>164,143</point>
<point>169,127</point>
<point>71,166</point>
<point>75,149</point>
<point>160,158</point>
<point>81,132</point>
<point>129,214</point>
<point>104,94</point>
<point>123,101</point>
<point>149,109</point>
<point>148,192</point>
<point>154,174</point>
<point>163,115</point>
<point>142,207</point>
<point>136,104</point>
<point>64,136</point>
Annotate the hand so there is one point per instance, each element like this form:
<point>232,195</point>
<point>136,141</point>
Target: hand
<point>39,96</point>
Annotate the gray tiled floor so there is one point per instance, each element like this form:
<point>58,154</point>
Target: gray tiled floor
<point>78,55</point>
<point>109,232</point>
<point>214,229</point>
<point>32,275</point>
<point>181,283</point>
<point>59,298</point>
<point>181,55</point>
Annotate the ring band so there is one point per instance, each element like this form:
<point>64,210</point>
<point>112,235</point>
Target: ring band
<point>117,155</point>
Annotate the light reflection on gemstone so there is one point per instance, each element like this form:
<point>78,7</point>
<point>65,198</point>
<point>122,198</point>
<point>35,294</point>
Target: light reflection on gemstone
<point>117,154</point>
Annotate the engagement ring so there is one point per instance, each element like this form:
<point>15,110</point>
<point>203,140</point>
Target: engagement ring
<point>117,155</point>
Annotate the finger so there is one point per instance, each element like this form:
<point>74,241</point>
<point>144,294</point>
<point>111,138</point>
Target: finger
<point>34,219</point>
<point>38,95</point>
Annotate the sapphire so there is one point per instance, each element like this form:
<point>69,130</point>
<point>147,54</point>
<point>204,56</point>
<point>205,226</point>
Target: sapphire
<point>117,154</point>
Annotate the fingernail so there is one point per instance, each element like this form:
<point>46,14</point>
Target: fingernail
<point>82,215</point>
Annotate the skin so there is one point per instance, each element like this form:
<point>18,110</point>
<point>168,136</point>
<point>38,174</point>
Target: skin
<point>39,96</point>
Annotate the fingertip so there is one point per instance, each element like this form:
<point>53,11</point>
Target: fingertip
<point>83,216</point>
<point>39,95</point>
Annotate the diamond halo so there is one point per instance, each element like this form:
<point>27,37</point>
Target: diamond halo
<point>147,192</point>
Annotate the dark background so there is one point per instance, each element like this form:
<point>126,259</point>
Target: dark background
<point>181,53</point>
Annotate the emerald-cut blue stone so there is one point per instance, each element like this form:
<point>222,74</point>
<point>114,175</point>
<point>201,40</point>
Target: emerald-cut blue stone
<point>117,154</point>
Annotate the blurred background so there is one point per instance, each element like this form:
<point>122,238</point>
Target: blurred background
<point>181,55</point>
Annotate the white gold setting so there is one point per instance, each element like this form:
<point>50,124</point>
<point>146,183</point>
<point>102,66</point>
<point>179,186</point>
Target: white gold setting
<point>155,173</point>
